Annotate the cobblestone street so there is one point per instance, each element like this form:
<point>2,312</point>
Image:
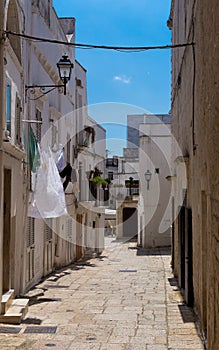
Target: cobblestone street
<point>124,300</point>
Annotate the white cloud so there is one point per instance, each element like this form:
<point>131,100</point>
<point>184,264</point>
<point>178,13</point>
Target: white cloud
<point>123,78</point>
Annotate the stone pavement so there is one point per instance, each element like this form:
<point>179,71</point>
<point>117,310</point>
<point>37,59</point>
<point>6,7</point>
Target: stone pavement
<point>124,300</point>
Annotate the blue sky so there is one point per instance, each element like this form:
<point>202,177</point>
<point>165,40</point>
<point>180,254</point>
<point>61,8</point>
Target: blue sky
<point>138,79</point>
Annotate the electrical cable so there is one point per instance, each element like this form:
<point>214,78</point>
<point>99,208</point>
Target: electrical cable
<point>91,46</point>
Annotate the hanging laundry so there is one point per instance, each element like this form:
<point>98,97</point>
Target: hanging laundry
<point>33,151</point>
<point>48,199</point>
<point>59,157</point>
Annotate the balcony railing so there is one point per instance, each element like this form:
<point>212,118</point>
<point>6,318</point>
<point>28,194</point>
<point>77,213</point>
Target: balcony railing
<point>112,162</point>
<point>95,194</point>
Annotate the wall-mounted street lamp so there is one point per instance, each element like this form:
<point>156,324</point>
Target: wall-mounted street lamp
<point>148,177</point>
<point>64,68</point>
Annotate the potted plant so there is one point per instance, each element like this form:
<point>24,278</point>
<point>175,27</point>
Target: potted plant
<point>98,180</point>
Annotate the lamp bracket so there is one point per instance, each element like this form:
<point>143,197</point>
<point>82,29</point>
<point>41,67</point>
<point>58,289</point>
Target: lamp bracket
<point>42,88</point>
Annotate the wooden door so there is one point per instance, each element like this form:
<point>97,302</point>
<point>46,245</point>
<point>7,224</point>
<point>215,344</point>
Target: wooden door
<point>7,231</point>
<point>30,249</point>
<point>181,242</point>
<point>130,222</point>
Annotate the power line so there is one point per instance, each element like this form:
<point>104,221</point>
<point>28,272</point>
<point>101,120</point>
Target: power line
<point>105,47</point>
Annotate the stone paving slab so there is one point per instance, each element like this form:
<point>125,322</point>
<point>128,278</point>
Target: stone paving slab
<point>125,300</point>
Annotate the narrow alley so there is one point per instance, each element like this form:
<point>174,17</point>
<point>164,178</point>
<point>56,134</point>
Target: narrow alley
<point>126,299</point>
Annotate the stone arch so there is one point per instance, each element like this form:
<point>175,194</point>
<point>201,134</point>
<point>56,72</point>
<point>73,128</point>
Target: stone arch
<point>12,25</point>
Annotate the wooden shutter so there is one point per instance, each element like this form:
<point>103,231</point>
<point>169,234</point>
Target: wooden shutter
<point>48,229</point>
<point>18,121</point>
<point>30,232</point>
<point>38,125</point>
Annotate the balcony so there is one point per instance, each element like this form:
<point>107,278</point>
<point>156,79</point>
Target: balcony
<point>85,138</point>
<point>112,162</point>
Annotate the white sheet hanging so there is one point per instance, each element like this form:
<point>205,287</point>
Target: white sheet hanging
<point>48,199</point>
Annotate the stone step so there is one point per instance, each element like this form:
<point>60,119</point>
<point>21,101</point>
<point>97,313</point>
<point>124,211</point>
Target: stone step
<point>7,299</point>
<point>16,312</point>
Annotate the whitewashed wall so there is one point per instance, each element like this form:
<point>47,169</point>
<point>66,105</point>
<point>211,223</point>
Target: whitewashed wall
<point>155,202</point>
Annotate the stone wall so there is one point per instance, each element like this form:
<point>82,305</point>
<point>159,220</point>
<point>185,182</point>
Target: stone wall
<point>196,128</point>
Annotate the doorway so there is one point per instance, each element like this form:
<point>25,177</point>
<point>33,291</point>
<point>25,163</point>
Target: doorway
<point>130,222</point>
<point>189,297</point>
<point>7,231</point>
<point>48,247</point>
<point>181,242</point>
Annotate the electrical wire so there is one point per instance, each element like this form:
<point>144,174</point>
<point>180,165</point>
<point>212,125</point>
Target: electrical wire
<point>91,46</point>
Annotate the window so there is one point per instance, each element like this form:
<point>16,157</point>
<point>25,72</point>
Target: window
<point>112,162</point>
<point>18,139</point>
<point>8,106</point>
<point>110,175</point>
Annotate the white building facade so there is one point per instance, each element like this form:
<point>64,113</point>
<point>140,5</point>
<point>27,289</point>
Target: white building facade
<point>32,247</point>
<point>144,207</point>
<point>154,210</point>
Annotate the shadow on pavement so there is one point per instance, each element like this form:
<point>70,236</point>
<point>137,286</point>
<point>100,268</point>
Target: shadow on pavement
<point>187,313</point>
<point>34,301</point>
<point>153,251</point>
<point>173,281</point>
<point>31,320</point>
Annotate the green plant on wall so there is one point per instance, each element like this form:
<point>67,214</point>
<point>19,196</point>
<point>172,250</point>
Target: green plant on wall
<point>96,179</point>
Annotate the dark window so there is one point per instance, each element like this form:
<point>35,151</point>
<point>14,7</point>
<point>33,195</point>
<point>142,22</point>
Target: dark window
<point>18,121</point>
<point>110,175</point>
<point>112,162</point>
<point>8,106</point>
